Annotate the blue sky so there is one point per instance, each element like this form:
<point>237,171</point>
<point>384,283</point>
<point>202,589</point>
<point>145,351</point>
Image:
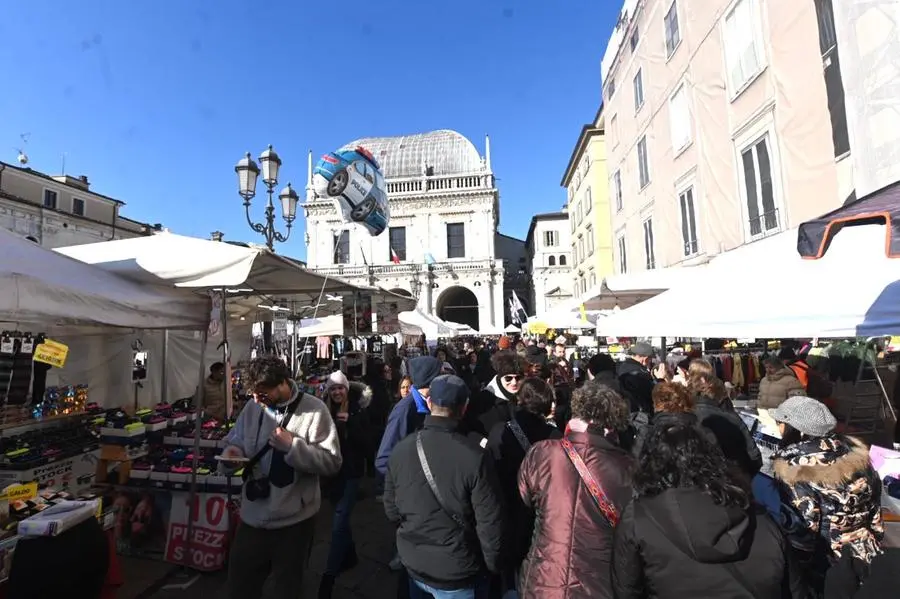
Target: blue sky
<point>156,101</point>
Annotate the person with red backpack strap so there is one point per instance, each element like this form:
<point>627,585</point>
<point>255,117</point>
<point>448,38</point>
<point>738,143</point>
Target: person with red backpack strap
<point>577,486</point>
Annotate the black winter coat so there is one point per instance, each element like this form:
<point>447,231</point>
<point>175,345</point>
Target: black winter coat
<point>681,545</point>
<point>732,435</point>
<point>508,455</point>
<point>356,434</point>
<point>486,409</point>
<point>432,546</point>
<point>637,385</point>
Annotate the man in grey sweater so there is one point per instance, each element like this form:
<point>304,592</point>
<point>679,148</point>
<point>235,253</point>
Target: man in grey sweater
<point>291,440</point>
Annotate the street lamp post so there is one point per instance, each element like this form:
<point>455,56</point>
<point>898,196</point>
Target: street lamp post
<point>248,172</point>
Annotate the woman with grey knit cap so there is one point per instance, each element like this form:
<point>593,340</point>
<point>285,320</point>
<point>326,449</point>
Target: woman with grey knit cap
<point>827,479</point>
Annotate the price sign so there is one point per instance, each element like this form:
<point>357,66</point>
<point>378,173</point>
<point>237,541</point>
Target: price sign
<point>209,533</point>
<point>51,352</point>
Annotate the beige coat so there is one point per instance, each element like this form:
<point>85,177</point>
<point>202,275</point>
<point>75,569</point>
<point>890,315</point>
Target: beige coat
<point>777,387</point>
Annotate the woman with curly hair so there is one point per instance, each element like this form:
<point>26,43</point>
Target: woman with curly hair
<point>576,487</point>
<point>692,532</point>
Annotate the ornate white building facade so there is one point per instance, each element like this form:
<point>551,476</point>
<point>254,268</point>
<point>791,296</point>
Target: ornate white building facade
<point>440,246</point>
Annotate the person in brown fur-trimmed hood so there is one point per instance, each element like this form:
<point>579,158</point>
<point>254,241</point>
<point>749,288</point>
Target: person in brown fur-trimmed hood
<point>828,480</point>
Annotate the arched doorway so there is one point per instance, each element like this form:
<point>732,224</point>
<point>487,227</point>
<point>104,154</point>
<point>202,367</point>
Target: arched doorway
<point>402,292</point>
<point>458,304</point>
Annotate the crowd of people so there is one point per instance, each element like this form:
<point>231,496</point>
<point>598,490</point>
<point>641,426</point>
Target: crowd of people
<point>511,472</point>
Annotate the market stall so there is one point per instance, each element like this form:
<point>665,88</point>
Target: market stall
<point>50,436</point>
<point>767,291</point>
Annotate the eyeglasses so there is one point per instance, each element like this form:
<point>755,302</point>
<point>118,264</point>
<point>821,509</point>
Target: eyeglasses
<point>509,378</point>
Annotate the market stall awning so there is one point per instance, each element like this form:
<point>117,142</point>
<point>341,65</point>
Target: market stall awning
<point>40,286</point>
<point>766,290</point>
<point>625,290</point>
<point>195,263</point>
<point>880,207</point>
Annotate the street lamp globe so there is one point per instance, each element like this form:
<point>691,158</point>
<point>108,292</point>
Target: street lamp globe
<point>270,164</point>
<point>289,199</point>
<point>247,172</point>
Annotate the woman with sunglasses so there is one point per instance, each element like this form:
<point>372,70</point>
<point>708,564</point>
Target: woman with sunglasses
<point>494,404</point>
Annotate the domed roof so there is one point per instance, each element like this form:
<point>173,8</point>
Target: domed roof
<point>446,152</point>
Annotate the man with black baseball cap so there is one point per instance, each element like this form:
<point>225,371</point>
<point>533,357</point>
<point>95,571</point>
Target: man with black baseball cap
<point>442,492</point>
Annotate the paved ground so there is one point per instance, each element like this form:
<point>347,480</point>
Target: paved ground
<point>370,579</point>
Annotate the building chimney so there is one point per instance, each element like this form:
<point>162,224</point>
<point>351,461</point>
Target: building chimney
<point>84,179</point>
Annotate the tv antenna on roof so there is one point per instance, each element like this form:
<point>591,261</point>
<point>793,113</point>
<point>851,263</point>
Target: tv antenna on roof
<point>22,158</point>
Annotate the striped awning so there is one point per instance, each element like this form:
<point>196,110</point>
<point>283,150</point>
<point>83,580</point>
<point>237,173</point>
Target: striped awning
<point>881,207</point>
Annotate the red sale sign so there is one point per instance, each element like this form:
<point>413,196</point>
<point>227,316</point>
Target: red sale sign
<point>209,533</point>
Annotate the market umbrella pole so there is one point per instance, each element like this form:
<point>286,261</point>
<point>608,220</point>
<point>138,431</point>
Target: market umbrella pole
<point>192,494</point>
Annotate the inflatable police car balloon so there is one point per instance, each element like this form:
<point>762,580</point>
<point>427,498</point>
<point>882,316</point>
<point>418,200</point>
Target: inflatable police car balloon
<point>352,179</point>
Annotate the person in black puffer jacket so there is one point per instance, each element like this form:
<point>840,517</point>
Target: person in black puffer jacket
<point>348,403</point>
<point>495,403</point>
<point>508,443</point>
<point>715,413</point>
<point>692,532</point>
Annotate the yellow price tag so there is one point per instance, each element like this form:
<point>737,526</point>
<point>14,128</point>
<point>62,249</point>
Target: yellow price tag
<point>51,352</point>
<point>19,492</point>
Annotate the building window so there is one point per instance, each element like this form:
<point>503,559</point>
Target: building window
<point>834,84</point>
<point>589,233</point>
<point>680,119</point>
<point>580,212</point>
<point>743,48</point>
<point>456,240</point>
<point>397,239</point>
<point>551,261</point>
<point>50,199</point>
<point>673,34</point>
<point>588,201</point>
<point>643,166</point>
<point>571,193</point>
<point>581,253</point>
<point>638,90</point>
<point>688,221</point>
<point>649,250</point>
<point>575,251</point>
<point>78,206</point>
<point>758,185</point>
<point>635,38</point>
<point>623,259</point>
<point>593,280</point>
<point>562,260</point>
<point>613,131</point>
<point>551,239</point>
<point>617,189</point>
<point>342,248</point>
<point>610,88</point>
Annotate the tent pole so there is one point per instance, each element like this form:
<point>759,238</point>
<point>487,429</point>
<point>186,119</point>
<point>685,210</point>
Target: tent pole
<point>164,396</point>
<point>192,494</point>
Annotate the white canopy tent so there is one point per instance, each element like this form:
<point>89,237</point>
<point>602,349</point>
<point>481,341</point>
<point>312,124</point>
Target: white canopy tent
<point>512,329</point>
<point>40,286</point>
<point>250,272</point>
<point>766,290</point>
<point>430,325</point>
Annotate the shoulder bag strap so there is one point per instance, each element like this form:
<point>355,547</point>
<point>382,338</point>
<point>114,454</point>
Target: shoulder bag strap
<point>434,488</point>
<point>266,448</point>
<point>519,434</point>
<point>597,493</point>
